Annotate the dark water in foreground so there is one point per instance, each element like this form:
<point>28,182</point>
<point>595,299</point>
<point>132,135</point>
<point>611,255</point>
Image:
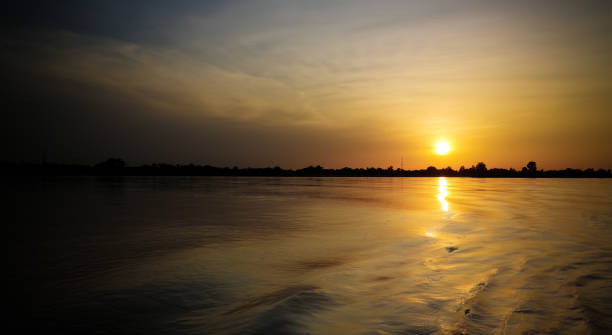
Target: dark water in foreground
<point>315,256</point>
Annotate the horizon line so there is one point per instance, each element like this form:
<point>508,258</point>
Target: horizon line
<point>116,166</point>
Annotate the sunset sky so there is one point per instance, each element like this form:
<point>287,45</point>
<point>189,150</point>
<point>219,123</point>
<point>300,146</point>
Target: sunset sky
<point>298,83</point>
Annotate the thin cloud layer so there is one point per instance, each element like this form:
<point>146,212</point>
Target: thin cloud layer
<point>503,82</point>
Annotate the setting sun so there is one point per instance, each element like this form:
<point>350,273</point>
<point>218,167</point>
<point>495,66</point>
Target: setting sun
<point>442,148</point>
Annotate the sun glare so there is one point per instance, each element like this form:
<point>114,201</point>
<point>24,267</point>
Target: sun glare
<point>442,148</point>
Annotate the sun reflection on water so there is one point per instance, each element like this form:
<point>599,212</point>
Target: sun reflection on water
<point>443,193</point>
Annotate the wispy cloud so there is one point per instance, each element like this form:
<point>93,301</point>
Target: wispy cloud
<point>398,72</point>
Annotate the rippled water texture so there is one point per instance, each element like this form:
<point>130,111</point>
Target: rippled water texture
<point>315,255</point>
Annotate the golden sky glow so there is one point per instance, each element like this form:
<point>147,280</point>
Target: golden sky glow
<point>292,84</point>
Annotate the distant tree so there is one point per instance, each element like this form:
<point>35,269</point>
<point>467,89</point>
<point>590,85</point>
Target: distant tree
<point>111,163</point>
<point>462,171</point>
<point>532,167</point>
<point>448,171</point>
<point>481,168</point>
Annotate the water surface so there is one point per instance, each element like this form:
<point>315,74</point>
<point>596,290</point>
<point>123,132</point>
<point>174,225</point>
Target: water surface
<point>315,255</point>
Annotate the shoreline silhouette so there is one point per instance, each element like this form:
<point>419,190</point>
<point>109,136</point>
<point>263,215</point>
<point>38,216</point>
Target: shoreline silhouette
<point>117,167</point>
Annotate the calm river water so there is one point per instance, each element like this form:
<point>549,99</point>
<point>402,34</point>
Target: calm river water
<point>199,255</point>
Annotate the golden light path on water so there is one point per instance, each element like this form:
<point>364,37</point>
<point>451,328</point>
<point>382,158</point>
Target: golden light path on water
<point>441,196</point>
<point>443,193</point>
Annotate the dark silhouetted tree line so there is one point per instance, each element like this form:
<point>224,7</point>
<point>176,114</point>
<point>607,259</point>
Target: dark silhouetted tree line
<point>117,167</point>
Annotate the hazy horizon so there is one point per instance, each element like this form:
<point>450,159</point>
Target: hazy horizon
<point>395,167</point>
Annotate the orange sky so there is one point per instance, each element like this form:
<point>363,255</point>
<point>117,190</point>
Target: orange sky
<point>355,83</point>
